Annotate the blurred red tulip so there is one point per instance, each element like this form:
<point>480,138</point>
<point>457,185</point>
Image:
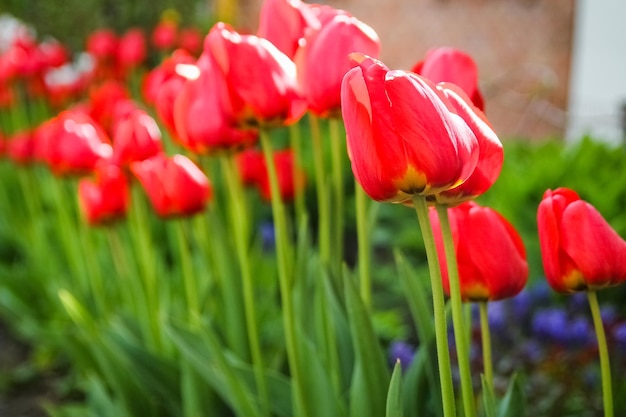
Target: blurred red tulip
<point>490,253</point>
<point>137,137</point>
<point>20,148</point>
<point>203,116</point>
<point>105,198</point>
<point>253,172</point>
<point>403,135</point>
<point>131,51</point>
<point>579,248</point>
<point>190,40</point>
<point>490,154</point>
<point>102,44</point>
<point>105,101</point>
<point>264,97</point>
<point>164,35</point>
<point>455,66</point>
<point>175,186</point>
<point>323,58</point>
<point>76,144</point>
<point>53,53</point>
<point>154,80</point>
<point>284,23</point>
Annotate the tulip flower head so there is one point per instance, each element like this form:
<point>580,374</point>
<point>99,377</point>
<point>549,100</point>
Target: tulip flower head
<point>490,152</point>
<point>284,23</point>
<point>105,198</point>
<point>202,115</point>
<point>323,58</point>
<point>455,66</point>
<point>268,95</point>
<point>175,186</point>
<point>490,253</point>
<point>403,135</point>
<point>137,137</point>
<point>253,172</point>
<point>76,144</point>
<point>580,250</point>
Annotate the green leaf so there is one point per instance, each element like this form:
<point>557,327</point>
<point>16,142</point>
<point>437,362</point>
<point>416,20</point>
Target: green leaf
<point>371,376</point>
<point>206,354</point>
<point>513,404</point>
<point>394,397</point>
<point>420,305</point>
<point>421,397</point>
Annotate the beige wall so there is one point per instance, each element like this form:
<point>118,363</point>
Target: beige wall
<point>522,48</point>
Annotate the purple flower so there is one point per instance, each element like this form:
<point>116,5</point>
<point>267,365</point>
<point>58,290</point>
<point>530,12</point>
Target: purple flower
<point>580,332</point>
<point>619,334</point>
<point>403,352</point>
<point>551,324</point>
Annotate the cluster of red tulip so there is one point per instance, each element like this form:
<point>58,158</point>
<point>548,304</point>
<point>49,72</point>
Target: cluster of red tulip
<point>419,138</point>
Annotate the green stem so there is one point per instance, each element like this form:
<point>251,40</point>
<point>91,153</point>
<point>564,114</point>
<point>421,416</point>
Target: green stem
<point>458,321</point>
<point>603,351</point>
<point>285,279</point>
<point>295,137</point>
<point>189,280</point>
<point>337,148</point>
<point>439,308</point>
<point>486,342</point>
<point>145,254</point>
<point>363,241</point>
<point>323,205</point>
<point>239,220</point>
<point>129,288</point>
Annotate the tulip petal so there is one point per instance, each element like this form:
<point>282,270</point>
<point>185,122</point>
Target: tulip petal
<point>599,252</point>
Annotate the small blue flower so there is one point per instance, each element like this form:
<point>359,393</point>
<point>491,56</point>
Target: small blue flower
<point>580,332</point>
<point>268,239</point>
<point>619,334</point>
<point>551,324</point>
<point>402,351</point>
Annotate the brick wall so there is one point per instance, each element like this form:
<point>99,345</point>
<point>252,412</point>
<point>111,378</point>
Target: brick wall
<point>522,48</point>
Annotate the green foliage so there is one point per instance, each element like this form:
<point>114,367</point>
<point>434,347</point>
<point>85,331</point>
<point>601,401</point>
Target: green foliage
<point>71,21</point>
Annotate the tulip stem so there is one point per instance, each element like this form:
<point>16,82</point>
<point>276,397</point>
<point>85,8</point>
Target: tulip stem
<point>323,207</point>
<point>458,321</point>
<point>363,240</point>
<point>239,221</point>
<point>603,351</point>
<point>485,336</point>
<point>285,279</point>
<point>142,240</point>
<point>295,137</point>
<point>439,308</point>
<point>336,143</point>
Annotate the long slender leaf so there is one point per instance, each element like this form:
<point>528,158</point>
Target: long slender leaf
<point>371,376</point>
<point>513,404</point>
<point>394,394</point>
<point>489,398</point>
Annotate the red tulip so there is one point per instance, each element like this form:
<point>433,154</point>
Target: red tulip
<point>284,23</point>
<point>77,144</point>
<point>455,66</point>
<point>166,70</point>
<point>403,135</point>
<point>102,44</point>
<point>105,198</point>
<point>190,40</point>
<point>175,186</point>
<point>106,101</point>
<point>264,96</point>
<point>579,248</point>
<point>164,35</point>
<point>323,59</point>
<point>137,137</point>
<point>20,148</point>
<point>53,53</point>
<point>253,172</point>
<point>131,51</point>
<point>490,253</point>
<point>490,154</point>
<point>203,117</point>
